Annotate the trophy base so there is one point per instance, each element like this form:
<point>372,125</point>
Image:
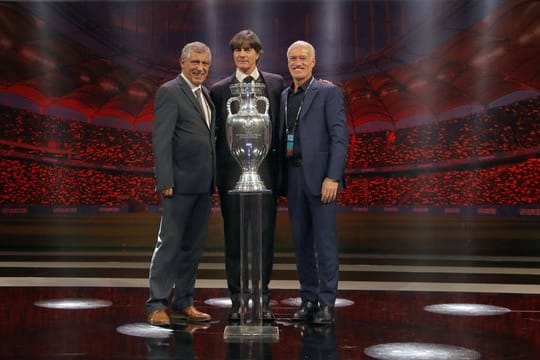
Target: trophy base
<point>250,182</point>
<point>239,333</point>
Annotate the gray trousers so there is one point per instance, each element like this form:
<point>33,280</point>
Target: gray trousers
<point>180,243</point>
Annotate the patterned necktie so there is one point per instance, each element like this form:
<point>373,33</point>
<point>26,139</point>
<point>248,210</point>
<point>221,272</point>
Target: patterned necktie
<point>202,103</point>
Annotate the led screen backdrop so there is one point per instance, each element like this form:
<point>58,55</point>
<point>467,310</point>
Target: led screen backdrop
<point>442,97</point>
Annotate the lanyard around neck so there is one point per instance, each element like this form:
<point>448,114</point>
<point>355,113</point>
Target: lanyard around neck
<point>299,108</point>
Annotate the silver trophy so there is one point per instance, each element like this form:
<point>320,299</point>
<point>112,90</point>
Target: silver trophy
<point>248,133</point>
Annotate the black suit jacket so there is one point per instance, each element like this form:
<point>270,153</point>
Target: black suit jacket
<point>228,170</point>
<point>183,143</point>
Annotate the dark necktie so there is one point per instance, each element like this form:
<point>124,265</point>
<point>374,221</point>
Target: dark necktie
<point>248,79</point>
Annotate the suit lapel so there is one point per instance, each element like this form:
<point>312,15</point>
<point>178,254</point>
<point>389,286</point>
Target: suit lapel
<point>210,105</point>
<point>308,100</point>
<point>227,94</point>
<point>188,93</point>
<point>268,85</point>
<point>232,80</point>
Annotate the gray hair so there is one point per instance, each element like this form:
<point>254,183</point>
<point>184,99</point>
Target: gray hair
<point>301,43</point>
<point>195,46</point>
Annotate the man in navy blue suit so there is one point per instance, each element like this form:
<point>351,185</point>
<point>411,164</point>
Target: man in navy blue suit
<point>313,120</point>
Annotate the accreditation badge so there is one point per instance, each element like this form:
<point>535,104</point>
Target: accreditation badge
<point>290,145</point>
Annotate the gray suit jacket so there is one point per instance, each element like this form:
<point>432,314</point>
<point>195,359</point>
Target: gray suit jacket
<point>183,144</point>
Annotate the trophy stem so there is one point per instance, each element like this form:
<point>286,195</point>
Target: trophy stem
<point>251,326</point>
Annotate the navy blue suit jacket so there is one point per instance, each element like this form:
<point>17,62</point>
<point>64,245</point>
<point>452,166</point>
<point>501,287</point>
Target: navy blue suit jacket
<point>323,134</point>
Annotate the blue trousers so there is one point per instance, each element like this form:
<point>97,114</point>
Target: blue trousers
<point>314,231</point>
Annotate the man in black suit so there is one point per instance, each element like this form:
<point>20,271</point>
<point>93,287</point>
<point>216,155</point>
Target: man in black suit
<point>183,147</point>
<point>247,49</point>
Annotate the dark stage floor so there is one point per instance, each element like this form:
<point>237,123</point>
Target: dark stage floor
<point>391,307</point>
<point>410,288</point>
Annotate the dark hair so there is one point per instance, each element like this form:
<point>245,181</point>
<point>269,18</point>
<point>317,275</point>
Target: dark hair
<point>246,37</point>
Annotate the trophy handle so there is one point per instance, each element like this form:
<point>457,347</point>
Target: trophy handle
<point>266,102</point>
<point>229,102</point>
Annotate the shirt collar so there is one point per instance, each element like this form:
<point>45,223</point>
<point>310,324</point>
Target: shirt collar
<point>193,87</point>
<point>240,76</point>
<point>304,86</point>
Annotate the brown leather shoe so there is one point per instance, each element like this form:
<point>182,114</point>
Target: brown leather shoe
<point>190,314</point>
<point>159,318</point>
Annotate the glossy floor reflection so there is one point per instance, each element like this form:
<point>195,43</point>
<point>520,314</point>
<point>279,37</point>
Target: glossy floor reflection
<point>375,325</point>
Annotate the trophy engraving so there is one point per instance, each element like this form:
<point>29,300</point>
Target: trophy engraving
<point>248,133</point>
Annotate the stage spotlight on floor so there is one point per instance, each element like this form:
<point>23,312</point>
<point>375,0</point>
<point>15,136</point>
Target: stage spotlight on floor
<point>466,309</point>
<point>145,330</point>
<point>73,304</point>
<point>420,351</point>
<point>296,301</point>
<point>222,302</point>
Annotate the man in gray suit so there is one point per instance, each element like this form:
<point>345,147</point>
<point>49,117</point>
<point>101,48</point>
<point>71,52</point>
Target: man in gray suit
<point>184,158</point>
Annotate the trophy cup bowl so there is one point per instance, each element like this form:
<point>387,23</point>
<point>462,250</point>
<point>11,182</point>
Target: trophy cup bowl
<point>248,133</point>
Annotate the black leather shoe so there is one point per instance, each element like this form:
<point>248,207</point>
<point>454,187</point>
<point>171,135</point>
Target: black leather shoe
<point>325,315</point>
<point>306,311</point>
<point>234,314</point>
<point>267,313</point>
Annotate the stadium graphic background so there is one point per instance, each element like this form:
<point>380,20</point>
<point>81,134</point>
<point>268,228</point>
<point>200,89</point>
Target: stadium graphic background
<point>442,100</point>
